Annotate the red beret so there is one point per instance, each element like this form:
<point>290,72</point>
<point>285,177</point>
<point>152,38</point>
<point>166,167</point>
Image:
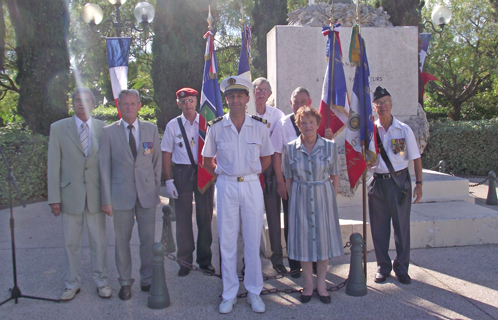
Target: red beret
<point>186,92</point>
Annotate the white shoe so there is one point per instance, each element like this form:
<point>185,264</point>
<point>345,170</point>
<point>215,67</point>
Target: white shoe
<point>104,291</point>
<point>69,294</point>
<point>256,303</point>
<point>226,306</point>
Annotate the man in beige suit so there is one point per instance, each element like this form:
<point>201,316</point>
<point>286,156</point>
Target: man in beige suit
<point>130,177</point>
<point>73,190</point>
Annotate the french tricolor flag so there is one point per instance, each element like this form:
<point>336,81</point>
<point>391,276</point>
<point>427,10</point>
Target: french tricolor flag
<point>118,50</point>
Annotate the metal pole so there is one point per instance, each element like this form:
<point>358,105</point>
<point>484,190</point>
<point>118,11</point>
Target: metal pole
<point>364,183</point>
<point>331,60</point>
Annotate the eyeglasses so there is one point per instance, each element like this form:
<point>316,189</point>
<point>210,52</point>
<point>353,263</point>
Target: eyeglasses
<point>380,103</point>
<point>184,102</point>
<point>261,90</point>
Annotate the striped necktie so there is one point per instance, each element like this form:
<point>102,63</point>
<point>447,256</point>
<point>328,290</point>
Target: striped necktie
<point>84,138</point>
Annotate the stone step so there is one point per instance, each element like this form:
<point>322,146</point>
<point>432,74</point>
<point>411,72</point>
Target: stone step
<point>438,187</point>
<point>436,224</point>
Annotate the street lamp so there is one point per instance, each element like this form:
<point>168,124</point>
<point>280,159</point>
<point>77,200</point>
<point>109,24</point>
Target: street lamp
<point>93,15</point>
<point>440,16</point>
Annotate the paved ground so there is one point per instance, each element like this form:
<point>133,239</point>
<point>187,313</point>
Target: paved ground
<point>448,283</point>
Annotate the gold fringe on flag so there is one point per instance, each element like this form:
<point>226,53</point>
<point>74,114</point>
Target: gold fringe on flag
<point>354,47</point>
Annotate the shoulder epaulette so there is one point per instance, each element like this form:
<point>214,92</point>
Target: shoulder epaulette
<point>210,123</point>
<point>259,119</point>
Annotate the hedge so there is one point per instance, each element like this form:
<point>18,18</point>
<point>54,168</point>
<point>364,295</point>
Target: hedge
<point>467,147</point>
<point>26,154</point>
<point>110,114</point>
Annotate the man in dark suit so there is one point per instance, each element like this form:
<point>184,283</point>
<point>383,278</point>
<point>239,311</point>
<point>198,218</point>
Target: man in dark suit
<point>130,171</point>
<point>73,191</point>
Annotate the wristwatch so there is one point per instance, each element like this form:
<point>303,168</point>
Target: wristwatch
<point>418,182</point>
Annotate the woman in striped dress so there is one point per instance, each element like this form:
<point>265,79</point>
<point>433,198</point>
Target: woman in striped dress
<point>311,168</point>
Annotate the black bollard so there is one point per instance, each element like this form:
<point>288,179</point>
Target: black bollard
<point>357,284</point>
<point>158,295</point>
<point>491,199</point>
<point>167,235</point>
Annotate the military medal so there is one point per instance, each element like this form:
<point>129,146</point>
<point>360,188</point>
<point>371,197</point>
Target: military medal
<point>268,125</point>
<point>181,144</point>
<point>398,146</point>
<point>192,142</point>
<point>148,147</point>
<point>179,136</point>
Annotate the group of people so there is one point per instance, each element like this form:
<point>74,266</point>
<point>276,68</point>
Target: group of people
<point>260,162</point>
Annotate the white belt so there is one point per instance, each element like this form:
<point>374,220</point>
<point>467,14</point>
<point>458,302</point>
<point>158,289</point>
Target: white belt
<point>251,177</point>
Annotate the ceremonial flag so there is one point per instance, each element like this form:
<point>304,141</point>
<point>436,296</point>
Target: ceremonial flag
<point>334,103</point>
<point>424,39</point>
<point>244,64</point>
<point>211,107</point>
<point>118,50</point>
<point>360,129</point>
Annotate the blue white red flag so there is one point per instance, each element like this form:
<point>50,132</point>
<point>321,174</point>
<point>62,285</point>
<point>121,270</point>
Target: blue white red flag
<point>335,101</point>
<point>360,129</point>
<point>244,64</point>
<point>118,50</point>
<point>211,106</point>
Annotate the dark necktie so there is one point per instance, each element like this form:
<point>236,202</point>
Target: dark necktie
<point>133,143</point>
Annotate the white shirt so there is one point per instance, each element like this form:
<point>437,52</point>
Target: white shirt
<point>79,122</point>
<point>283,133</point>
<point>272,116</point>
<point>135,132</point>
<point>237,153</point>
<point>174,142</point>
<point>397,130</point>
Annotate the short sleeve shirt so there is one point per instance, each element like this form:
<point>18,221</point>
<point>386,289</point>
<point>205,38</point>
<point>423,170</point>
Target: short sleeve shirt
<point>283,133</point>
<point>272,116</point>
<point>398,134</point>
<point>174,142</point>
<point>237,153</point>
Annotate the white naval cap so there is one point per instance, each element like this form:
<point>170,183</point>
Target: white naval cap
<point>236,83</point>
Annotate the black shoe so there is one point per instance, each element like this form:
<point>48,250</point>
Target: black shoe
<point>305,299</point>
<point>209,268</point>
<point>146,288</point>
<point>404,278</point>
<point>280,268</point>
<point>380,278</point>
<point>183,272</point>
<point>125,293</point>
<point>325,299</point>
<point>295,273</point>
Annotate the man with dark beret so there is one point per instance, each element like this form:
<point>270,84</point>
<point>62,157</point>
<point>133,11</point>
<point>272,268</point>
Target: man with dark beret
<point>390,196</point>
<point>180,145</point>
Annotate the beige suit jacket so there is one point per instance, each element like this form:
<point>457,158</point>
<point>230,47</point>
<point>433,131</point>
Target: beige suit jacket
<point>73,179</point>
<point>123,179</point>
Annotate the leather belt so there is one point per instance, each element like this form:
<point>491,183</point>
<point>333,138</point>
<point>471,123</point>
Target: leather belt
<point>251,177</point>
<point>388,175</point>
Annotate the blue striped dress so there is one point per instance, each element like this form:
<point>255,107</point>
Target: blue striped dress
<point>314,230</point>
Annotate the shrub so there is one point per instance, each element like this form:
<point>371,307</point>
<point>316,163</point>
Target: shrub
<point>467,147</point>
<point>110,114</point>
<point>26,154</point>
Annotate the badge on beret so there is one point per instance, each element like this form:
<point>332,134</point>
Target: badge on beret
<point>231,81</point>
<point>399,146</point>
<point>182,94</point>
<point>148,147</point>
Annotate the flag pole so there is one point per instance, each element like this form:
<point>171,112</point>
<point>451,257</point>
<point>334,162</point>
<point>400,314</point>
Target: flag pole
<point>364,176</point>
<point>210,27</point>
<point>332,56</point>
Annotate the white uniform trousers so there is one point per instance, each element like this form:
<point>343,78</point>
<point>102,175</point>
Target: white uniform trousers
<point>238,202</point>
<point>72,229</point>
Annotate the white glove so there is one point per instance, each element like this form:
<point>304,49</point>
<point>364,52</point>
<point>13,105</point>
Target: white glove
<point>171,189</point>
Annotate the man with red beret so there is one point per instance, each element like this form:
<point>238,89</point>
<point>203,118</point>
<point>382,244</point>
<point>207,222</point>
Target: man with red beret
<point>180,146</point>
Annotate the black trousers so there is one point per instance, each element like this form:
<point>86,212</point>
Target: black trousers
<point>187,188</point>
<point>384,206</point>
<point>273,208</point>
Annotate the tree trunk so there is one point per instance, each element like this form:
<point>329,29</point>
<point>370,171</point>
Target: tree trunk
<point>42,60</point>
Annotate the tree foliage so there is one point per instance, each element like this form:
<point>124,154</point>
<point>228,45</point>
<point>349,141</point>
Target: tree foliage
<point>178,48</point>
<point>464,57</point>
<point>403,12</point>
<point>266,14</point>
